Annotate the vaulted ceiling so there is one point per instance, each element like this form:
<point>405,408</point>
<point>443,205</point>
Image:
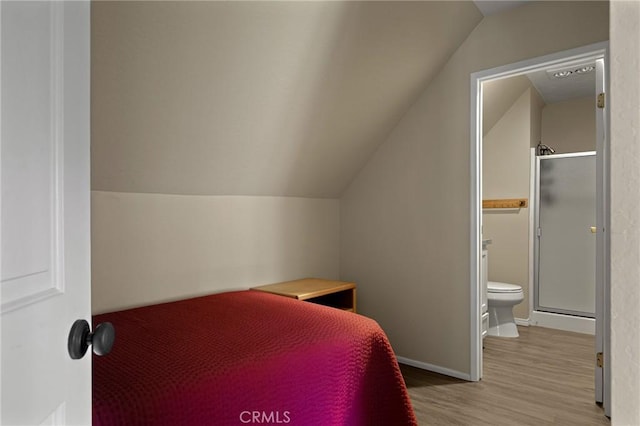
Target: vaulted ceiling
<point>257,98</point>
<point>494,7</point>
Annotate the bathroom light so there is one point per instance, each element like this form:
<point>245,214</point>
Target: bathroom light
<point>561,74</point>
<point>580,69</point>
<point>584,69</point>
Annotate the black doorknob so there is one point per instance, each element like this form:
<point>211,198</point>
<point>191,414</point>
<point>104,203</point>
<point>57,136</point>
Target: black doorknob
<point>80,337</point>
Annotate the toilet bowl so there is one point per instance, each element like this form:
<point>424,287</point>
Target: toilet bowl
<point>501,298</point>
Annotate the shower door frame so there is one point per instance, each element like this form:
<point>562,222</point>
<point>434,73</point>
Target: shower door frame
<point>536,258</point>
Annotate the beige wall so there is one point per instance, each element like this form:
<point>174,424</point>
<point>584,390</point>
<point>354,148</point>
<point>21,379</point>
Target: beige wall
<point>498,96</point>
<point>264,100</point>
<point>148,248</point>
<point>625,212</point>
<point>537,104</point>
<point>405,219</point>
<point>506,164</point>
<point>276,98</point>
<point>570,126</point>
<point>219,99</point>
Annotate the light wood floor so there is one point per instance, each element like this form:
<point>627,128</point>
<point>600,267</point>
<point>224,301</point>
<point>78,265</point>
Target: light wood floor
<point>544,377</point>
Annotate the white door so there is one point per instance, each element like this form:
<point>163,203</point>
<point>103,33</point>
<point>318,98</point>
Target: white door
<point>45,230</point>
<point>603,362</point>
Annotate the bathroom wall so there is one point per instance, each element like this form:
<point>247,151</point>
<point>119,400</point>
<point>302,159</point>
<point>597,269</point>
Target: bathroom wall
<point>498,96</point>
<point>570,126</point>
<point>506,170</point>
<point>537,106</point>
<point>567,126</point>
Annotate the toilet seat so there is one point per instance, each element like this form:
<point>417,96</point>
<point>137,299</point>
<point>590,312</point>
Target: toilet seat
<point>501,298</point>
<point>498,287</point>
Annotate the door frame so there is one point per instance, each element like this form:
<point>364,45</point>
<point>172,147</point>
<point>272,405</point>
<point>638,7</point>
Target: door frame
<point>593,51</point>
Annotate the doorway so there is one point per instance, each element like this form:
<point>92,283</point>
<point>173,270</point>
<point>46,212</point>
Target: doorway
<point>597,54</point>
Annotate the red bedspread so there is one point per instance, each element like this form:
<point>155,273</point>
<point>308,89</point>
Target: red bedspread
<point>247,358</point>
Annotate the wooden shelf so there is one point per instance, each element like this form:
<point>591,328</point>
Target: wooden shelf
<point>337,294</point>
<point>505,203</point>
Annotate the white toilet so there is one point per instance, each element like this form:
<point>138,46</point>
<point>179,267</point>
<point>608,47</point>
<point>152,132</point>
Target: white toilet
<point>501,299</point>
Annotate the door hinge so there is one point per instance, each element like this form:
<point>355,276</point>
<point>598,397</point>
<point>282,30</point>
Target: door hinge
<point>539,232</point>
<point>601,100</point>
<point>599,359</point>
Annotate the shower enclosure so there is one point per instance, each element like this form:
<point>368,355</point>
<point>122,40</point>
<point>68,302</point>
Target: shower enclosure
<point>565,220</point>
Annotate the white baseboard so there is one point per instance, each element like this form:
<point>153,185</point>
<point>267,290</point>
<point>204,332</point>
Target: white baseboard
<point>523,322</point>
<point>434,368</point>
<point>563,322</point>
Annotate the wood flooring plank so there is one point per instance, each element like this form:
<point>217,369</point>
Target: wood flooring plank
<point>543,377</point>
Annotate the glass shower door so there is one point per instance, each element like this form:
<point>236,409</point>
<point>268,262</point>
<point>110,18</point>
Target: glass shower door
<point>566,243</point>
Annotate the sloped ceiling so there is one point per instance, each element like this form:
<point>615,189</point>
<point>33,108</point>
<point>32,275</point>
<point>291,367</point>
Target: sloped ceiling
<point>498,96</point>
<point>257,98</point>
<point>494,7</point>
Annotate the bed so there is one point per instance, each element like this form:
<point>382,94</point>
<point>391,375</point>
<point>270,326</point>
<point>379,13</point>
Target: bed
<point>247,357</point>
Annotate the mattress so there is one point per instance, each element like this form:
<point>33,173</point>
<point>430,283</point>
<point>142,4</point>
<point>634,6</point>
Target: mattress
<point>247,357</point>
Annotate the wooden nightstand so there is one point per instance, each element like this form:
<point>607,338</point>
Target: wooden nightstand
<point>337,294</point>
